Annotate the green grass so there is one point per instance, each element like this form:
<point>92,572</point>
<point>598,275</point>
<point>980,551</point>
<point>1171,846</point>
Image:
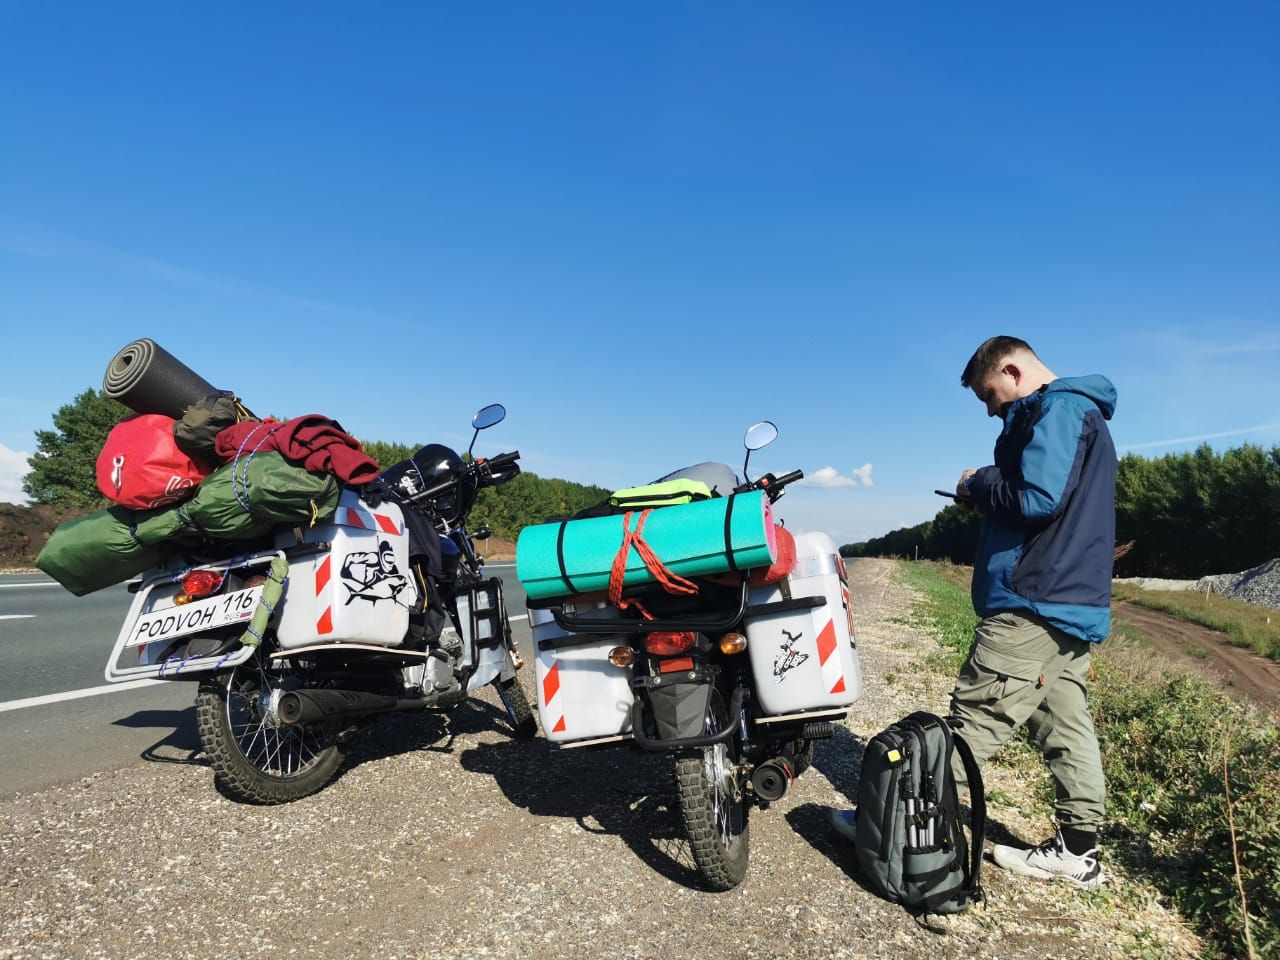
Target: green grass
<point>1165,740</point>
<point>1246,624</point>
<point>946,610</point>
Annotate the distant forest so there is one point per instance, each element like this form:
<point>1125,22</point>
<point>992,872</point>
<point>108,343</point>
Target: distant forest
<point>1188,515</point>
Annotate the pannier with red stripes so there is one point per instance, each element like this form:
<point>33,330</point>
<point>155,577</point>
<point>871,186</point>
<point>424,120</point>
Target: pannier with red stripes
<point>802,650</point>
<point>357,587</point>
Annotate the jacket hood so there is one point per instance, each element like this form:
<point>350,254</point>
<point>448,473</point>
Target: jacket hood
<point>1095,386</point>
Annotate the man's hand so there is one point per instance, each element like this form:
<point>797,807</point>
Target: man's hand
<point>962,492</point>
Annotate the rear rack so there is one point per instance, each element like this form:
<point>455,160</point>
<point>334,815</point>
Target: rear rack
<point>178,668</point>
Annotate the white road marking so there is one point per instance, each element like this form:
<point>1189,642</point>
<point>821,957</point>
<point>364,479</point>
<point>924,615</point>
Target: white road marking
<point>23,586</point>
<point>75,694</point>
<point>17,616</point>
<point>105,688</point>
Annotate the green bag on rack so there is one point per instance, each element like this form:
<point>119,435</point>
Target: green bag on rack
<point>97,550</point>
<point>247,498</point>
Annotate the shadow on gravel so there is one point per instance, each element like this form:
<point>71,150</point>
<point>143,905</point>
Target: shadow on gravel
<point>610,790</point>
<point>181,738</point>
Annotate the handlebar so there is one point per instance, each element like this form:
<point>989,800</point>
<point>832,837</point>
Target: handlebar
<point>493,471</point>
<point>772,485</point>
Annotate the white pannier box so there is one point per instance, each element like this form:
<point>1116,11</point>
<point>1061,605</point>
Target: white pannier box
<point>804,657</point>
<point>360,589</point>
<point>581,695</point>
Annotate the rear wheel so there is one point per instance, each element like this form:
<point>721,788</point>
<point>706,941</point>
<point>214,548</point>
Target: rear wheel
<point>256,759</point>
<point>519,713</point>
<point>714,808</point>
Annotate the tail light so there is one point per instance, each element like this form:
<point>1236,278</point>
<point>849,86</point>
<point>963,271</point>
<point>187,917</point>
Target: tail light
<point>199,583</point>
<point>669,643</point>
<point>673,664</point>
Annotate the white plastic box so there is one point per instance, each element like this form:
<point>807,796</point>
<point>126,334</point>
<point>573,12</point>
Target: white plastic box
<point>804,659</point>
<point>360,589</point>
<point>581,695</point>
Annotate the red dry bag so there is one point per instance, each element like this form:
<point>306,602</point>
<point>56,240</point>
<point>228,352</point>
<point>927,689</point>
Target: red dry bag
<point>141,466</point>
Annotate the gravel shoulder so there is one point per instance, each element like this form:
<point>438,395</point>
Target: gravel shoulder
<point>444,839</point>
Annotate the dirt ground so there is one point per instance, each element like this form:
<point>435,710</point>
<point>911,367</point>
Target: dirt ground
<point>1208,653</point>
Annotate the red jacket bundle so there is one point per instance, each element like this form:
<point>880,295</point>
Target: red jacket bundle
<point>316,442</point>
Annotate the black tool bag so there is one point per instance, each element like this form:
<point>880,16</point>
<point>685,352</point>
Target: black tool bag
<point>910,842</point>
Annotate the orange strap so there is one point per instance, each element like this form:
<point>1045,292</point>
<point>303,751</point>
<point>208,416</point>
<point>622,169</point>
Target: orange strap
<point>671,582</point>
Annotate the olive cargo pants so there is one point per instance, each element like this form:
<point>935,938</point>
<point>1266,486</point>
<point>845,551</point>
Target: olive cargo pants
<point>1021,670</point>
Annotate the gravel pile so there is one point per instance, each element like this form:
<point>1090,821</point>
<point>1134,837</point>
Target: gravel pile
<point>1158,583</point>
<point>1261,585</point>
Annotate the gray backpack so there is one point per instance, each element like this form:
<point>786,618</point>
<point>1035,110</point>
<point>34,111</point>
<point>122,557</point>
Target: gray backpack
<point>910,842</point>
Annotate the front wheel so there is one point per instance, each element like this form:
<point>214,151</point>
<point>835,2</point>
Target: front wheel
<point>255,759</point>
<point>519,713</point>
<point>714,808</point>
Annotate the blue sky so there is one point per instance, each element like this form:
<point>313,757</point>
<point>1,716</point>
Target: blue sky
<point>644,226</point>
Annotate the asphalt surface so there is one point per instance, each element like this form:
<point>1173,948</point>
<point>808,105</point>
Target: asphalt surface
<point>54,644</point>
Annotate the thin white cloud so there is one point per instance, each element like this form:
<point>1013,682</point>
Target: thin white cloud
<point>1200,438</point>
<point>829,478</point>
<point>13,467</point>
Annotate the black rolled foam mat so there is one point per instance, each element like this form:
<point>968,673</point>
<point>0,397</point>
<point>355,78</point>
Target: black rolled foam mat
<point>147,378</point>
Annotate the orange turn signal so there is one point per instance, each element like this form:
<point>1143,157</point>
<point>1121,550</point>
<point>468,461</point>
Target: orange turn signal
<point>622,656</point>
<point>732,643</point>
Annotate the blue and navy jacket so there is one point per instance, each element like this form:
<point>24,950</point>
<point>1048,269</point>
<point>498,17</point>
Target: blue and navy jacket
<point>1048,509</point>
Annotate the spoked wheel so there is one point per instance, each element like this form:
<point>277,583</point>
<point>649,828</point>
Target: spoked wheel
<point>714,808</point>
<point>519,713</point>
<point>256,759</point>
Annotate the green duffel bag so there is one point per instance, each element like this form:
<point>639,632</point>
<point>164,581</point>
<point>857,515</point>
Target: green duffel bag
<point>95,551</point>
<point>247,498</point>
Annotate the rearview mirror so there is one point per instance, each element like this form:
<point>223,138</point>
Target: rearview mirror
<point>761,435</point>
<point>488,416</point>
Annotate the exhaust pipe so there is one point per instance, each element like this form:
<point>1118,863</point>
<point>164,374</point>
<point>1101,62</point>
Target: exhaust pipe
<point>312,706</point>
<point>771,779</point>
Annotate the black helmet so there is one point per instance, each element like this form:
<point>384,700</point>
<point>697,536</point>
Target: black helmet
<point>438,471</point>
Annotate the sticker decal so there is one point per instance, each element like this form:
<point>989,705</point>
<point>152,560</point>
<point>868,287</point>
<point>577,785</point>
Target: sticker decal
<point>373,576</point>
<point>788,657</point>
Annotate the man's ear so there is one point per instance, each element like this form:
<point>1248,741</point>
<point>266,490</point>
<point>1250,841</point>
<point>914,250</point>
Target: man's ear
<point>1013,371</point>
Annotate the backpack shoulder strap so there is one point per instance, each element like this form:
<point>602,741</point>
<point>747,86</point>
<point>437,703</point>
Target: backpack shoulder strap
<point>978,811</point>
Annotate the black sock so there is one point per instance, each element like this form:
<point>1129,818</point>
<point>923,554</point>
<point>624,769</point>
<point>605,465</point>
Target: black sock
<point>1078,842</point>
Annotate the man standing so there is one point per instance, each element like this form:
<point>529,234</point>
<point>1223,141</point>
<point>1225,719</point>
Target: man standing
<point>1042,588</point>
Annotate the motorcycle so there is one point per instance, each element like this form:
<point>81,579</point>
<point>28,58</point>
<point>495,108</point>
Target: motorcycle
<point>299,644</point>
<point>734,682</point>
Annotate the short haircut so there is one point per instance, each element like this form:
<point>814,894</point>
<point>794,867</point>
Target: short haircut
<point>986,359</point>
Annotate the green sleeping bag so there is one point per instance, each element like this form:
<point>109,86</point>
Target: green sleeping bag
<point>275,491</point>
<point>95,551</point>
<point>694,539</point>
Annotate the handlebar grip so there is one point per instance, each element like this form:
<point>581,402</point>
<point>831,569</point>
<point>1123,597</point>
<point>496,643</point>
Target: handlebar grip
<point>786,478</point>
<point>503,459</point>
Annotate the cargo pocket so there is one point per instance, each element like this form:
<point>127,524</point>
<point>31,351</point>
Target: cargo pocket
<point>930,873</point>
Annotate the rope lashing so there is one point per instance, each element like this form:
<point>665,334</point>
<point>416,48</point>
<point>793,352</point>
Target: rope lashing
<point>670,581</point>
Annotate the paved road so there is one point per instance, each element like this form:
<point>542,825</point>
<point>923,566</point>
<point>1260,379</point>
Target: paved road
<point>54,645</point>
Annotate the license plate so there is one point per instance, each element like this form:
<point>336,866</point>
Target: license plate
<point>195,617</point>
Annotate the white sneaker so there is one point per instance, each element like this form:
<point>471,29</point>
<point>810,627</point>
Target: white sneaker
<point>1052,861</point>
<point>842,821</point>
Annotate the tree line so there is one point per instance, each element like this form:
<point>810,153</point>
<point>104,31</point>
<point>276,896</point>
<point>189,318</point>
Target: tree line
<point>1187,515</point>
<point>62,471</point>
